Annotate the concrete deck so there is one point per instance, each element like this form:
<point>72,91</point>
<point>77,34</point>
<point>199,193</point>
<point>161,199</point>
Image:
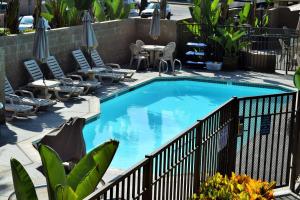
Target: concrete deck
<point>17,137</point>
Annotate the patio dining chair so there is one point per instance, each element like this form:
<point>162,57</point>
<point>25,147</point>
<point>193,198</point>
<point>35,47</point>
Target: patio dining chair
<point>61,92</point>
<point>167,56</point>
<point>99,73</point>
<point>71,80</point>
<point>111,67</point>
<point>26,97</point>
<point>137,55</point>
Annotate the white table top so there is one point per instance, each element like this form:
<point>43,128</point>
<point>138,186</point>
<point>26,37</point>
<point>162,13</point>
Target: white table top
<point>153,47</point>
<point>93,70</point>
<point>46,83</point>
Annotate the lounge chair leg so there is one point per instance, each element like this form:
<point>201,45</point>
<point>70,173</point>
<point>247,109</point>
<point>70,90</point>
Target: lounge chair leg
<point>138,65</point>
<point>131,60</point>
<point>68,96</point>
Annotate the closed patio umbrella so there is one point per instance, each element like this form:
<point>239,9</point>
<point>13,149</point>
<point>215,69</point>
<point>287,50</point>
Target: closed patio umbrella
<point>40,45</point>
<point>155,25</point>
<point>88,37</point>
<point>298,25</point>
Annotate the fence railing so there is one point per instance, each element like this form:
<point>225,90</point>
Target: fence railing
<point>248,136</point>
<point>268,49</point>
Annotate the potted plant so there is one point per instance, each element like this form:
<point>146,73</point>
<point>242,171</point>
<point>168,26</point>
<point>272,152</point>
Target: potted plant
<point>229,39</point>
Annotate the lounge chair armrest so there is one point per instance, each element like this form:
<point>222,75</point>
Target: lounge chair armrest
<point>24,93</point>
<point>75,77</point>
<point>113,65</point>
<point>10,98</point>
<point>66,81</point>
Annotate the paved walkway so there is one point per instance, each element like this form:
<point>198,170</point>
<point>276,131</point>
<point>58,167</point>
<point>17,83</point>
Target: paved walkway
<point>17,137</point>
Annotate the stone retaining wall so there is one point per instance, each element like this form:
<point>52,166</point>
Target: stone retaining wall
<point>114,38</point>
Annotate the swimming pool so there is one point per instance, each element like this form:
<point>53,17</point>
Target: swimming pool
<point>147,117</point>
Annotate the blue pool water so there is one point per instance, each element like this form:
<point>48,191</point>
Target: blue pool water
<point>146,118</point>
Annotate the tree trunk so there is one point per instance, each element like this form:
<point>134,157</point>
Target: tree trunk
<point>163,6</point>
<point>2,75</point>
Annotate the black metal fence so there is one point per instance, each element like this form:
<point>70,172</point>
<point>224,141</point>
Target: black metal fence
<point>248,136</point>
<point>267,49</point>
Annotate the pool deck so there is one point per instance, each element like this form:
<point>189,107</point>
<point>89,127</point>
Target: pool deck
<point>17,136</point>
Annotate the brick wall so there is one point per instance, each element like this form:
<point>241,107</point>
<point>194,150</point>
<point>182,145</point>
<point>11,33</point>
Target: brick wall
<point>113,37</point>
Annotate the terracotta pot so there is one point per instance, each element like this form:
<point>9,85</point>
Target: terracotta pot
<point>230,62</point>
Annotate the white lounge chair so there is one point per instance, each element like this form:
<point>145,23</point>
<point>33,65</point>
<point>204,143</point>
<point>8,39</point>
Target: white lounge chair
<point>15,110</point>
<point>62,92</point>
<point>111,67</point>
<point>71,80</point>
<point>100,73</point>
<point>26,97</point>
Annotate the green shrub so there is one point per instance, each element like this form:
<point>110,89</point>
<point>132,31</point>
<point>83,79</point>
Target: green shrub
<point>237,187</point>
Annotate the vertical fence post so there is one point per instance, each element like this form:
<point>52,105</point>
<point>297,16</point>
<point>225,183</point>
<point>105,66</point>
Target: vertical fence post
<point>295,168</point>
<point>197,157</point>
<point>2,93</point>
<point>147,179</point>
<point>232,136</point>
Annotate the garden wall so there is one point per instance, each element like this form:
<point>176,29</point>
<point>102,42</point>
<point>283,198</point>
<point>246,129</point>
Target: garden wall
<point>113,37</point>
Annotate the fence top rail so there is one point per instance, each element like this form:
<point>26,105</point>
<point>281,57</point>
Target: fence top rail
<point>117,180</point>
<point>267,96</point>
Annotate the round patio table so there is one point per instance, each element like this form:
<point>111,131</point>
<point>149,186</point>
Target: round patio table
<point>152,49</point>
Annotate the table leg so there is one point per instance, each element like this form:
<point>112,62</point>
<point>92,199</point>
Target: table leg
<point>45,93</point>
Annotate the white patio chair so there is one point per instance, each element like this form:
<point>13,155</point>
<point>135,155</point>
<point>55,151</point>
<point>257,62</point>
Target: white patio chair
<point>71,80</point>
<point>167,56</point>
<point>136,55</point>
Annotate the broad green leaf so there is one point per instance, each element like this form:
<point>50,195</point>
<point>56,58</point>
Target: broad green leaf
<point>65,193</point>
<point>297,78</point>
<point>246,9</point>
<point>125,11</point>
<point>24,188</point>
<point>229,2</point>
<point>88,183</point>
<point>214,5</point>
<point>98,11</point>
<point>101,156</point>
<point>53,169</point>
<point>266,20</point>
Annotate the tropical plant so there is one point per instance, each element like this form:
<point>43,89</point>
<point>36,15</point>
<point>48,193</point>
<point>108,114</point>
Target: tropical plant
<point>206,13</point>
<point>84,177</point>
<point>229,38</point>
<point>80,182</point>
<point>297,78</point>
<point>110,10</point>
<point>12,16</point>
<point>236,187</point>
<point>61,13</point>
<point>24,188</point>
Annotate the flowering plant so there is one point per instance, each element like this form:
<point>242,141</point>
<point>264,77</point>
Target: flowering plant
<point>237,187</point>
